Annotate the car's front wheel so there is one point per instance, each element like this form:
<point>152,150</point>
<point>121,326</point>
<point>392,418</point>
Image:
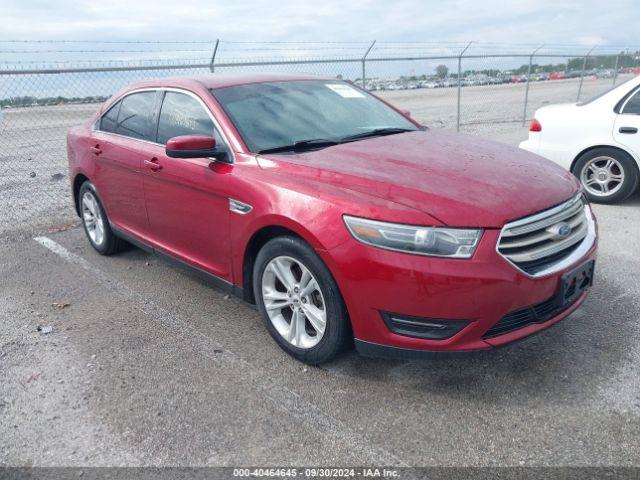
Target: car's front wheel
<point>608,175</point>
<point>299,301</point>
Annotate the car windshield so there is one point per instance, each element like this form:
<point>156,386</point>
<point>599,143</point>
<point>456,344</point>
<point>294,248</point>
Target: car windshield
<point>309,113</point>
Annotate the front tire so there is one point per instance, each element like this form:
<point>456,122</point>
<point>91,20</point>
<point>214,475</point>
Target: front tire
<point>608,175</point>
<point>299,301</point>
<point>96,223</point>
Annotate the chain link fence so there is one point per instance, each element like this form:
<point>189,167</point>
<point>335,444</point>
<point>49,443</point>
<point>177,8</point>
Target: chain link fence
<point>484,89</point>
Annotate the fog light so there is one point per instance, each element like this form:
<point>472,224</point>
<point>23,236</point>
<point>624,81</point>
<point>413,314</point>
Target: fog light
<point>427,328</point>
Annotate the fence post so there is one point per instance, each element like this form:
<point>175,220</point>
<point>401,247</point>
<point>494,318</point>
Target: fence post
<point>212,65</point>
<point>584,66</point>
<point>615,70</point>
<point>364,60</point>
<point>526,91</point>
<point>460,85</point>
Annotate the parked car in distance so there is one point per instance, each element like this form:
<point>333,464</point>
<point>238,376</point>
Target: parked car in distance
<point>340,217</point>
<point>597,140</point>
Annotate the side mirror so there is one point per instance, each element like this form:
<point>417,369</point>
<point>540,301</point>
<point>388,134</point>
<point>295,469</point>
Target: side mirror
<point>193,146</point>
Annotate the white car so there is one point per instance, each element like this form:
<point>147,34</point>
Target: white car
<point>597,140</point>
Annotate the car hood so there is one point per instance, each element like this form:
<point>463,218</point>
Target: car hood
<point>460,180</point>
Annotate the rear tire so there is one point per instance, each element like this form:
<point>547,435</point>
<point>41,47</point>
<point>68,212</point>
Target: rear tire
<point>305,312</point>
<point>96,223</point>
<point>608,175</point>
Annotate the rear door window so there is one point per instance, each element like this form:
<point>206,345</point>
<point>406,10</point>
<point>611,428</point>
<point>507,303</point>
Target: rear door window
<point>136,114</point>
<point>633,105</point>
<point>109,121</point>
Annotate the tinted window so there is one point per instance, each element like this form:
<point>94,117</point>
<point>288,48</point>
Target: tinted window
<point>182,114</point>
<point>135,115</point>
<point>109,121</point>
<point>633,105</point>
<point>269,115</point>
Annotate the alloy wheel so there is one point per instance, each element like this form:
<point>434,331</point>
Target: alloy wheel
<point>92,218</point>
<point>294,302</point>
<point>602,176</point>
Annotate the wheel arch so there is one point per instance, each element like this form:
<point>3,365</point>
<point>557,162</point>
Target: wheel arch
<point>78,180</point>
<point>604,145</point>
<point>270,227</point>
<point>253,246</point>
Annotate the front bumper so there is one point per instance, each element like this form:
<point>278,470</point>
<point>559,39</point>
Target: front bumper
<point>481,290</point>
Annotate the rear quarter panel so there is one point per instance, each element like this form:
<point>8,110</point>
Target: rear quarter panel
<point>567,130</point>
<point>78,141</point>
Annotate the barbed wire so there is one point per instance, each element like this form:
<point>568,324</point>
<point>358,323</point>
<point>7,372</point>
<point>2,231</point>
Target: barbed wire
<point>226,48</point>
<point>41,54</point>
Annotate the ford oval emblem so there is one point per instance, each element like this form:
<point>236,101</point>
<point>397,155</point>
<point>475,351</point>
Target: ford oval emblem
<point>560,230</point>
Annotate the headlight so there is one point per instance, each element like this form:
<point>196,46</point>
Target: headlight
<point>436,241</point>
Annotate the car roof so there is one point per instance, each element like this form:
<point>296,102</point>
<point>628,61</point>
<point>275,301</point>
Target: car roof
<point>217,80</point>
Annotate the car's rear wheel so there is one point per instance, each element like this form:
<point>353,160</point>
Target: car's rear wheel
<point>608,175</point>
<point>95,222</point>
<point>299,301</point>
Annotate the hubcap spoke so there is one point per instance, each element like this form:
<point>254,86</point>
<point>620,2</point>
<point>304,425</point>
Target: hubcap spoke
<point>296,328</point>
<point>91,205</point>
<point>311,287</point>
<point>275,295</point>
<point>89,221</point>
<point>275,300</point>
<point>305,278</point>
<point>282,270</point>
<point>316,317</point>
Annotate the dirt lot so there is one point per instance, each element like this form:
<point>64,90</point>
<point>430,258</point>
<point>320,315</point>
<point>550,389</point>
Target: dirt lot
<point>146,365</point>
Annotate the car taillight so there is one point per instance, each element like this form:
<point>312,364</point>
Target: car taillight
<point>535,126</point>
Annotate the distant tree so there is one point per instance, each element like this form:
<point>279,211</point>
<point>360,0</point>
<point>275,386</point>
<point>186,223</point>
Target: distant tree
<point>441,71</point>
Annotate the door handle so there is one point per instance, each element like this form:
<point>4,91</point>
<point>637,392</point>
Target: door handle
<point>628,130</point>
<point>153,164</point>
<point>96,149</point>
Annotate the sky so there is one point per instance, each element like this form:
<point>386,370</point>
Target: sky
<point>57,33</point>
<point>577,22</point>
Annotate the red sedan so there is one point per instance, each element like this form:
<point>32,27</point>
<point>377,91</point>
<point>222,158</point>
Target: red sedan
<point>340,217</point>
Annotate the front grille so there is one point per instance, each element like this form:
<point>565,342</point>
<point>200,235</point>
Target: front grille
<point>536,243</point>
<point>525,316</point>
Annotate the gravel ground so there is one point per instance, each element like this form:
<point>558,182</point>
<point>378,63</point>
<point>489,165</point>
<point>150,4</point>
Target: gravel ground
<point>147,365</point>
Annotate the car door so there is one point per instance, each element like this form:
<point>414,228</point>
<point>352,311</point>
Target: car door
<point>118,148</point>
<point>626,129</point>
<point>187,199</point>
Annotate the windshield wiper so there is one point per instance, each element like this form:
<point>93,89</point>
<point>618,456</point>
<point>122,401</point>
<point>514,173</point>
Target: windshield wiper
<point>375,133</point>
<point>302,145</point>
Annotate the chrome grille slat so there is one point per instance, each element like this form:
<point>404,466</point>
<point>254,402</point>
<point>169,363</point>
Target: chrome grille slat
<point>527,242</point>
<point>520,229</point>
<point>523,241</point>
<point>538,253</point>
